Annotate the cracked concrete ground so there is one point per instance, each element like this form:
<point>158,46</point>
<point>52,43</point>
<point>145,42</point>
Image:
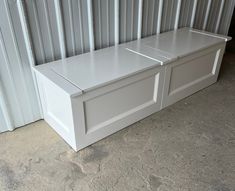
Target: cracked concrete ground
<point>187,146</point>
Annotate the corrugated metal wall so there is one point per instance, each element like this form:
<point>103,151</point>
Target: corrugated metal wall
<point>44,30</point>
<point>18,100</point>
<point>45,35</point>
<point>63,28</point>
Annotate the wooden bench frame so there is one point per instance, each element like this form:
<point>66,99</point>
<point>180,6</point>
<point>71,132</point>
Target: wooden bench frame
<point>84,116</point>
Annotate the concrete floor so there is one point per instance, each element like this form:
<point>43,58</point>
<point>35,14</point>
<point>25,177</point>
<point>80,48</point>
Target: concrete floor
<point>187,146</point>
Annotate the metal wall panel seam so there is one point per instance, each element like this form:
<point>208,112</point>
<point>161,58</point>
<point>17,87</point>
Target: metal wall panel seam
<point>207,14</point>
<point>213,16</point>
<point>107,7</point>
<point>140,12</point>
<point>100,23</point>
<point>125,22</point>
<point>152,18</point>
<point>60,27</point>
<point>159,19</point>
<point>193,13</point>
<point>146,18</point>
<point>177,14</point>
<point>187,15</point>
<point>90,25</point>
<point>132,18</point>
<point>80,25</point>
<point>19,62</point>
<point>198,19</point>
<point>49,28</point>
<point>29,50</point>
<point>182,20</point>
<point>171,16</point>
<point>116,21</point>
<point>165,16</point>
<point>39,33</point>
<point>71,22</point>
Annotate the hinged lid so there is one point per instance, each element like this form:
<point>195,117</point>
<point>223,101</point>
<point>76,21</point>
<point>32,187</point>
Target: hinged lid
<point>98,68</point>
<point>181,42</point>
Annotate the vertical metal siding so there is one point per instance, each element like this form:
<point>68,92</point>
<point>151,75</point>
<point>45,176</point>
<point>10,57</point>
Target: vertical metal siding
<point>226,16</point>
<point>168,15</point>
<point>200,14</point>
<point>213,15</point>
<point>150,15</point>
<point>74,14</point>
<point>103,16</point>
<point>15,72</point>
<point>44,31</point>
<point>128,23</point>
<point>186,13</point>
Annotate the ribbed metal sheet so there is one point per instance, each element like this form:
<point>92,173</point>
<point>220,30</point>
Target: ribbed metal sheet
<point>186,13</point>
<point>15,73</point>
<point>226,16</point>
<point>168,15</point>
<point>200,14</point>
<point>103,14</point>
<point>149,17</point>
<point>76,27</point>
<point>213,15</point>
<point>128,17</point>
<point>44,30</point>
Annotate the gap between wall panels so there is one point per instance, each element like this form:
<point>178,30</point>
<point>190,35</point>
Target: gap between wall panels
<point>44,31</point>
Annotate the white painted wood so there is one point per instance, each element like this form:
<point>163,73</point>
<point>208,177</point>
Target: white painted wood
<point>192,73</point>
<point>177,15</point>
<point>116,21</point>
<point>93,70</point>
<point>57,109</point>
<point>223,37</point>
<point>219,16</point>
<point>193,13</point>
<point>138,47</point>
<point>121,113</point>
<point>45,70</point>
<point>90,25</point>
<point>182,42</point>
<point>159,18</point>
<point>88,97</point>
<point>207,14</point>
<point>60,28</point>
<point>140,11</point>
<point>121,101</point>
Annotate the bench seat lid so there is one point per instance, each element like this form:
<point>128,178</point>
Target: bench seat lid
<point>99,68</point>
<point>178,43</point>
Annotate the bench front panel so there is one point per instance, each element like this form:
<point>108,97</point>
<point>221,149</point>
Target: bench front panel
<point>192,73</point>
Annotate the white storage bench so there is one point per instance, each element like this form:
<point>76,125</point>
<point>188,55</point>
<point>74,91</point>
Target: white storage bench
<point>88,97</point>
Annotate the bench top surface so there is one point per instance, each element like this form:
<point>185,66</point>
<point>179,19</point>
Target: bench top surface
<point>92,70</point>
<point>98,68</point>
<point>175,44</point>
